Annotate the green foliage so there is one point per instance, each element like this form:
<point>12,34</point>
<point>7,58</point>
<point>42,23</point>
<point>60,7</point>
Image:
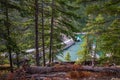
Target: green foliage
<point>86,48</point>
<point>103,23</point>
<point>78,61</point>
<point>98,18</point>
<point>68,57</point>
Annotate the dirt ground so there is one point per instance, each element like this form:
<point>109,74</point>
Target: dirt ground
<point>74,74</point>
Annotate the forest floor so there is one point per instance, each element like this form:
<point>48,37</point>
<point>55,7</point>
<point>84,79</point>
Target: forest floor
<point>75,75</point>
<point>62,73</point>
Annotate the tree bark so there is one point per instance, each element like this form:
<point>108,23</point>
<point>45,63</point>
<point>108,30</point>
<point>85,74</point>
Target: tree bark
<point>43,43</point>
<point>51,33</point>
<point>94,55</point>
<point>36,32</point>
<point>67,68</point>
<point>8,36</point>
<point>17,58</point>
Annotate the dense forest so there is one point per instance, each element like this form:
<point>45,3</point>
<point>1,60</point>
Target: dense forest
<point>38,25</point>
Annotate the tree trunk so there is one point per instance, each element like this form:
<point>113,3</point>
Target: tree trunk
<point>51,33</point>
<point>36,32</point>
<point>67,68</point>
<point>8,36</point>
<point>94,57</point>
<point>43,43</point>
<point>17,58</point>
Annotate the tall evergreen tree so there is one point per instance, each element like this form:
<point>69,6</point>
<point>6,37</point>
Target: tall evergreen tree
<point>51,33</point>
<point>105,25</point>
<point>43,40</point>
<point>7,24</point>
<point>36,32</point>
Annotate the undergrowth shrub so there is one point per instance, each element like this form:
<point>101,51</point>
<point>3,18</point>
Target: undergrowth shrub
<point>76,74</point>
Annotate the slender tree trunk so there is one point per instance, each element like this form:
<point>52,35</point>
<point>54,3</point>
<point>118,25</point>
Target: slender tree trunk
<point>51,33</point>
<point>43,43</point>
<point>17,58</point>
<point>94,56</point>
<point>52,59</point>
<point>93,59</point>
<point>87,47</point>
<point>36,32</point>
<point>8,36</point>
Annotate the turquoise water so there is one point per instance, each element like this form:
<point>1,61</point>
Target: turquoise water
<point>73,50</point>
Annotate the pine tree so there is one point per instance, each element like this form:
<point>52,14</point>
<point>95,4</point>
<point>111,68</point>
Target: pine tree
<point>68,57</point>
<point>51,33</point>
<point>43,40</point>
<point>36,32</point>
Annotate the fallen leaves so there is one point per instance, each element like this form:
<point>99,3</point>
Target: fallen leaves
<point>77,74</point>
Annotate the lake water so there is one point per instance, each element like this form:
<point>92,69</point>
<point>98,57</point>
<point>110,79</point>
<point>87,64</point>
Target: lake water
<point>72,51</point>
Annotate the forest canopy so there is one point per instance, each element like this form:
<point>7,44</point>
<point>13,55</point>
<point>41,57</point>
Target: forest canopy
<point>38,24</point>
